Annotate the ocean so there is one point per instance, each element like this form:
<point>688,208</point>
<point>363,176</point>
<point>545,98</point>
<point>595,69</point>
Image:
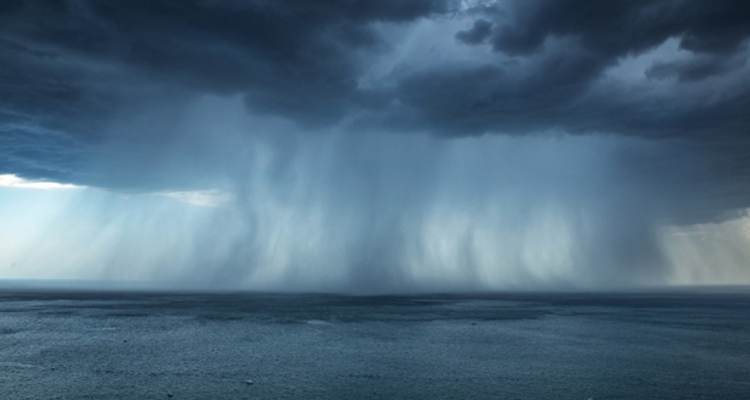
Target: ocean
<point>149,345</point>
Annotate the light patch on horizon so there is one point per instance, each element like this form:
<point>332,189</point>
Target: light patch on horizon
<point>711,253</point>
<point>13,181</point>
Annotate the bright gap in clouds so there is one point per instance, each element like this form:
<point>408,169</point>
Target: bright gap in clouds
<point>9,180</point>
<point>204,198</point>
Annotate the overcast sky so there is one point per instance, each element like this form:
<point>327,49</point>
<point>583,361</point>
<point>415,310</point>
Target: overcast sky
<point>374,146</point>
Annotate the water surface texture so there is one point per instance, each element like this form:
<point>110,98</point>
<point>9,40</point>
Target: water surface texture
<point>87,345</point>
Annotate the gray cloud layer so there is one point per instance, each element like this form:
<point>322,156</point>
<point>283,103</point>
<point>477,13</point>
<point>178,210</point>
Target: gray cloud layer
<point>71,68</point>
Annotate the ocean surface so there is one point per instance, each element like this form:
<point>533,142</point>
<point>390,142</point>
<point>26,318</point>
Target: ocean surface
<point>129,345</point>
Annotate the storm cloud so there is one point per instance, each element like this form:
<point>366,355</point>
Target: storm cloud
<point>392,120</point>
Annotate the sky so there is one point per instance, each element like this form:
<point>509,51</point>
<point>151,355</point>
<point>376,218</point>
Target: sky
<point>375,146</point>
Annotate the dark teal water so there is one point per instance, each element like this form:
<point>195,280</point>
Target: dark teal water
<point>78,345</point>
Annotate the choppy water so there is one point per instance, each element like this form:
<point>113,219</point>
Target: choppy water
<point>70,345</point>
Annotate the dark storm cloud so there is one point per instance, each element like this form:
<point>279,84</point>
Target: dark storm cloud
<point>477,34</point>
<point>567,46</point>
<point>615,28</point>
<point>287,57</point>
<point>65,60</point>
<point>70,68</point>
<point>76,65</point>
<point>696,69</point>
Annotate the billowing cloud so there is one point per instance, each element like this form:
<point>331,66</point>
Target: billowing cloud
<point>73,66</point>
